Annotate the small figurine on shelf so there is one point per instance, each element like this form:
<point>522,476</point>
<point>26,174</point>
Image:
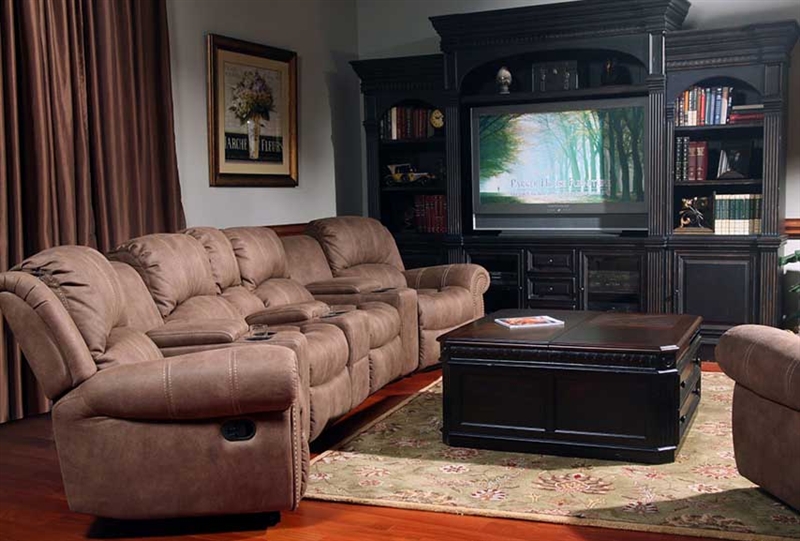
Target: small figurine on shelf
<point>691,217</point>
<point>503,79</point>
<point>404,174</point>
<point>615,74</point>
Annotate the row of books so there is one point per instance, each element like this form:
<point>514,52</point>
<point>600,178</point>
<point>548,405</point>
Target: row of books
<point>406,123</point>
<point>691,159</point>
<point>737,214</point>
<point>430,213</point>
<point>712,106</point>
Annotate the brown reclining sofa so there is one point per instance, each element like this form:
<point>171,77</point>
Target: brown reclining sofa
<point>163,403</point>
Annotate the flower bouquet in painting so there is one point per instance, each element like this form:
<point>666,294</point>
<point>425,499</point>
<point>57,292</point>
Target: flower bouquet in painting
<point>252,102</point>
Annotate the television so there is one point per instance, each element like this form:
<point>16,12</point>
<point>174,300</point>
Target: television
<point>566,166</point>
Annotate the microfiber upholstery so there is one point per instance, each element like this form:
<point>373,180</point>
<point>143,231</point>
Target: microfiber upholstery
<point>220,254</point>
<point>259,253</point>
<point>87,285</point>
<point>349,241</point>
<point>173,266</point>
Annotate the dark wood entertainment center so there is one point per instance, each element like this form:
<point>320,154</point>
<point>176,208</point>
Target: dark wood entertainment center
<point>727,279</point>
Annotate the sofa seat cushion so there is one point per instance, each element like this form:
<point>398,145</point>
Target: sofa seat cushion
<point>198,332</point>
<point>445,308</point>
<point>205,307</point>
<point>291,313</point>
<point>243,300</point>
<point>344,285</point>
<point>386,275</point>
<point>126,345</point>
<point>384,323</point>
<point>281,291</point>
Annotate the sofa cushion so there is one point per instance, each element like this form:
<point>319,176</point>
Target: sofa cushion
<point>444,308</point>
<point>291,313</point>
<point>206,307</point>
<point>140,310</point>
<point>194,332</point>
<point>174,267</point>
<point>127,345</point>
<point>280,292</point>
<point>243,299</point>
<point>88,287</point>
<point>354,240</point>
<point>220,254</point>
<point>306,260</point>
<point>385,275</point>
<point>259,253</point>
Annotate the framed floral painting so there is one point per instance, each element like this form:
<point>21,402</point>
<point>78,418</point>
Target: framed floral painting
<point>252,114</point>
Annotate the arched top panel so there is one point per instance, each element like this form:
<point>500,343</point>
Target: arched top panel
<point>572,69</point>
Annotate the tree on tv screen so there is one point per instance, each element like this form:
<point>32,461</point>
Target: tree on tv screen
<point>585,156</point>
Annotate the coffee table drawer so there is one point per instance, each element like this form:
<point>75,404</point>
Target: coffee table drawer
<point>562,289</point>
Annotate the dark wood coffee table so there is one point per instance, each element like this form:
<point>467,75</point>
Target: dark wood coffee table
<point>605,385</point>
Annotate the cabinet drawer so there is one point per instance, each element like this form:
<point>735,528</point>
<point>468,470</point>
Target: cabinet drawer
<point>552,288</point>
<point>551,262</point>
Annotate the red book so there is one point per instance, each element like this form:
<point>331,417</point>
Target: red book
<point>701,153</point>
<point>692,175</point>
<point>701,120</point>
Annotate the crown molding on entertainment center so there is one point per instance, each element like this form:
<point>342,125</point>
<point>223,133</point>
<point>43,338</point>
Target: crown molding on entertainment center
<point>728,279</point>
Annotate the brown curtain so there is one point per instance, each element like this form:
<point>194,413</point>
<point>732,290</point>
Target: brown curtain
<point>87,148</point>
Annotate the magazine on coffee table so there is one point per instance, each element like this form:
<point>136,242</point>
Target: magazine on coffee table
<point>528,322</point>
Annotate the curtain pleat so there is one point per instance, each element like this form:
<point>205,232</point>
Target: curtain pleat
<point>88,147</point>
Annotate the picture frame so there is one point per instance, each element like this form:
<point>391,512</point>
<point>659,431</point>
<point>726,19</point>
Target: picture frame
<point>252,114</point>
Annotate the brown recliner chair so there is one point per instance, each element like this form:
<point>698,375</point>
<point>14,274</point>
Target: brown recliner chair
<point>143,436</point>
<point>765,363</point>
<point>448,295</point>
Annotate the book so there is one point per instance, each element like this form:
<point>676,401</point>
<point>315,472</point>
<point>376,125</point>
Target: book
<point>701,160</point>
<point>529,322</point>
<point>692,175</point>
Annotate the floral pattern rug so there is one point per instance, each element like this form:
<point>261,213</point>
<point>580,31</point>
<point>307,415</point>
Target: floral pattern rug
<point>400,461</point>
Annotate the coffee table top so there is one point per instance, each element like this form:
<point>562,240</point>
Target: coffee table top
<point>593,331</point>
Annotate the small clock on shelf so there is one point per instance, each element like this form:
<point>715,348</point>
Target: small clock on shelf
<point>436,120</point>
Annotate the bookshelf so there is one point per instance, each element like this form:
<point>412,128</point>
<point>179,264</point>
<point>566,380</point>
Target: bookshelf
<point>407,152</point>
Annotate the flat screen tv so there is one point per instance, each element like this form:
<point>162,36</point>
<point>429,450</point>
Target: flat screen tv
<point>577,166</point>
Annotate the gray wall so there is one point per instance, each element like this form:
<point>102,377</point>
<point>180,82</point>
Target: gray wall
<point>324,35</point>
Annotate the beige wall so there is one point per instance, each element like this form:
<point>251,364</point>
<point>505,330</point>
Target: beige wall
<point>324,35</point>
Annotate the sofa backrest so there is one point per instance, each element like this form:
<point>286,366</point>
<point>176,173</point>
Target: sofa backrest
<point>70,312</point>
<point>263,266</point>
<point>47,335</point>
<point>305,259</point>
<point>140,310</point>
<point>221,257</point>
<point>358,246</point>
<point>173,266</point>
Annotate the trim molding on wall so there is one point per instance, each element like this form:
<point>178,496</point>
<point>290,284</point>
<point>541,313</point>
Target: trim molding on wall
<point>288,230</point>
<point>791,227</point>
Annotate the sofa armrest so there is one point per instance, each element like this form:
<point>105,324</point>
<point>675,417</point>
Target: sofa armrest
<point>210,384</point>
<point>289,314</point>
<point>344,285</point>
<point>764,359</point>
<point>197,332</point>
<point>473,278</point>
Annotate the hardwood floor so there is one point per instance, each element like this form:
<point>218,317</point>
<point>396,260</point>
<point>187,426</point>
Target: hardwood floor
<point>33,505</point>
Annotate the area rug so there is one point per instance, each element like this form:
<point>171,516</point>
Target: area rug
<point>400,461</point>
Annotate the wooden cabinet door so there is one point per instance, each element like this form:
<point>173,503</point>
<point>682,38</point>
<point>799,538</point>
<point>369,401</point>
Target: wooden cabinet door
<point>719,287</point>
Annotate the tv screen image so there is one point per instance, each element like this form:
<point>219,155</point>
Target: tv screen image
<point>582,156</point>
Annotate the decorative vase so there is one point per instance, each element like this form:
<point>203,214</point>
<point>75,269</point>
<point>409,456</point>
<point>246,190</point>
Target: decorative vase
<point>253,136</point>
<point>503,79</point>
